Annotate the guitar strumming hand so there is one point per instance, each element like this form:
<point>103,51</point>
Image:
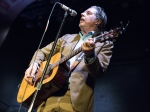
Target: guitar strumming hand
<point>30,72</point>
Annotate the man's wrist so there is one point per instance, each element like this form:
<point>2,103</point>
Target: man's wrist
<point>90,56</point>
<point>37,64</point>
<point>89,59</point>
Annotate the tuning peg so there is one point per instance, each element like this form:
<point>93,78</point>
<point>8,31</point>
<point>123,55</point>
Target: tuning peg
<point>122,27</point>
<point>126,25</point>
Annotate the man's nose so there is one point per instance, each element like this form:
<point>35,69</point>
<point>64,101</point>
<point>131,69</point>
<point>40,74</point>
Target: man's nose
<point>82,14</point>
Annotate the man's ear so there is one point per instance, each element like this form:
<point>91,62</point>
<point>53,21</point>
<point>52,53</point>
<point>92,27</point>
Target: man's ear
<point>98,22</point>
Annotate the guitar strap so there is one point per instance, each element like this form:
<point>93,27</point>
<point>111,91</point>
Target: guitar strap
<point>77,61</point>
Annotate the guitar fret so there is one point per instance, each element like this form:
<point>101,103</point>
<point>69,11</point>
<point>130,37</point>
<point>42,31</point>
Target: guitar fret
<point>63,59</point>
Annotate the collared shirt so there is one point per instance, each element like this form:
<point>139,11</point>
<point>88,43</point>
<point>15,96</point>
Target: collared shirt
<point>82,39</point>
<point>85,37</point>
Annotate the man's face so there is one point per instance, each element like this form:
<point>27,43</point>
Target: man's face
<point>88,19</point>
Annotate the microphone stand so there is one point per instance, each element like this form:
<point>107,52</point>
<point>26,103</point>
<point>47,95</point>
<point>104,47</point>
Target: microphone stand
<point>39,85</point>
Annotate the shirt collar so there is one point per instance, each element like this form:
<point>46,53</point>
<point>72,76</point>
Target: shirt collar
<point>84,37</point>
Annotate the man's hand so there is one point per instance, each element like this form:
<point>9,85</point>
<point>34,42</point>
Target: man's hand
<point>30,72</point>
<point>88,47</point>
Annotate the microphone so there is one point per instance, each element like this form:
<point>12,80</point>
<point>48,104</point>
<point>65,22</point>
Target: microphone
<point>72,12</point>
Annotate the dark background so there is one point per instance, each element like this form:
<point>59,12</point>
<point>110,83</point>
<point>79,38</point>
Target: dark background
<point>124,88</point>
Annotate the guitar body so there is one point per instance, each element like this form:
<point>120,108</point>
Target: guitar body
<point>51,83</point>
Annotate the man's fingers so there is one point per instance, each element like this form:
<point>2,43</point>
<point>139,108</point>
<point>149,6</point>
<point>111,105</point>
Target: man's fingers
<point>33,72</point>
<point>89,44</point>
<point>28,79</point>
<point>30,73</point>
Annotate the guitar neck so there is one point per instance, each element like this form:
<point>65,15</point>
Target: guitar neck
<point>65,58</point>
<point>99,38</point>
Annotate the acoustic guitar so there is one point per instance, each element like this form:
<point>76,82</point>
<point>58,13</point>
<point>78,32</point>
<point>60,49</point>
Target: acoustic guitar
<point>57,75</point>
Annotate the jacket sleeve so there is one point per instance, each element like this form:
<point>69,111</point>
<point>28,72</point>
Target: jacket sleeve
<point>43,53</point>
<point>102,60</point>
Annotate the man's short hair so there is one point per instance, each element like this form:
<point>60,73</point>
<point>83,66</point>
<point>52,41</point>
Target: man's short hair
<point>100,15</point>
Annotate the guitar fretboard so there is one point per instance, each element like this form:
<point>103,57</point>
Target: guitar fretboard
<point>65,58</point>
<point>100,38</point>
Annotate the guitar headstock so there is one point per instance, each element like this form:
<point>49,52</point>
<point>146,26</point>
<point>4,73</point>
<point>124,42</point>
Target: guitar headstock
<point>112,34</point>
